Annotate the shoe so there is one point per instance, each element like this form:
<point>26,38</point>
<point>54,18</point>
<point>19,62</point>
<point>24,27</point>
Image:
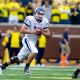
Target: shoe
<point>1,70</point>
<point>60,62</point>
<point>38,65</point>
<point>67,62</point>
<point>74,76</point>
<point>27,71</point>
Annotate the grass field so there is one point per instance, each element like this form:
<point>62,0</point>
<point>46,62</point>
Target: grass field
<point>15,72</point>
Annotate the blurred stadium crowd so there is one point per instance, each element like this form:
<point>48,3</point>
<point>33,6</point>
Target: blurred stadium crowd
<point>14,11</point>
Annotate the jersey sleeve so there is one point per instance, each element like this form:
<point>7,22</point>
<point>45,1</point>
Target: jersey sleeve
<point>46,25</point>
<point>27,22</point>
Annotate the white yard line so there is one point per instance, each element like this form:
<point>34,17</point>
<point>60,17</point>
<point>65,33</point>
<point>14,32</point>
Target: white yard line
<point>34,69</point>
<point>13,66</point>
<point>51,77</point>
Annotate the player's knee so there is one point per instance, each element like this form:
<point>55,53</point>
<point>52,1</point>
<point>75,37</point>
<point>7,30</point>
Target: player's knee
<point>14,59</point>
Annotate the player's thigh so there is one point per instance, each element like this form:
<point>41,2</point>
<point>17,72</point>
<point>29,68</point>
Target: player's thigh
<point>23,53</point>
<point>30,46</point>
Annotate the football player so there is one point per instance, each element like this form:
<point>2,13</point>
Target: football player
<point>29,28</point>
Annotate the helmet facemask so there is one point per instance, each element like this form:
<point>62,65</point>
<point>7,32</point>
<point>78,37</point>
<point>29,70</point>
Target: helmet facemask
<point>39,16</point>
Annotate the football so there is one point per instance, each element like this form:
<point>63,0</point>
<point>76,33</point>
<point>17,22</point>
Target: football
<point>39,31</point>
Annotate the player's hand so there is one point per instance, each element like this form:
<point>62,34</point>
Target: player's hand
<point>38,31</point>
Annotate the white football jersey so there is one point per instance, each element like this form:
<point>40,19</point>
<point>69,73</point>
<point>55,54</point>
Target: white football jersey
<point>32,24</point>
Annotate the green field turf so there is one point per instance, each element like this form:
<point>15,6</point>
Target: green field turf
<point>15,72</point>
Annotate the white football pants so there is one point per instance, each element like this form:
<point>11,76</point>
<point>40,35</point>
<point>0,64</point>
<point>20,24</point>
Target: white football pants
<point>28,48</point>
